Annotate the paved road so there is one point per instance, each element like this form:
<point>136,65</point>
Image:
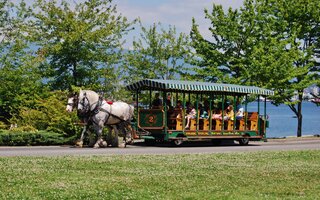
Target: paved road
<point>140,148</point>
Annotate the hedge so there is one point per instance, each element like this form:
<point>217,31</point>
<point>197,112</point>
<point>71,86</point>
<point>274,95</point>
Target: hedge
<point>11,138</point>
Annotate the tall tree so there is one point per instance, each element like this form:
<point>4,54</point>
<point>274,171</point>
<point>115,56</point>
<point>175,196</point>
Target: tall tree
<point>79,44</point>
<point>223,57</point>
<point>265,43</point>
<point>19,75</point>
<point>158,53</point>
<point>303,25</point>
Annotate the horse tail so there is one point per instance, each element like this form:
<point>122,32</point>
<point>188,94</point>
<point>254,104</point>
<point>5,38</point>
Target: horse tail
<point>131,112</point>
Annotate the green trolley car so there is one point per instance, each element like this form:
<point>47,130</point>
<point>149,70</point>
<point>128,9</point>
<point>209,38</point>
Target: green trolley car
<point>166,122</point>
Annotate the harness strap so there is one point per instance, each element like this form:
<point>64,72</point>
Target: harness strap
<point>113,115</point>
<point>98,105</point>
<point>98,108</point>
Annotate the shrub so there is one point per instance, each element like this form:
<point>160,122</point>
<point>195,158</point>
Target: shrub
<point>48,113</point>
<point>3,125</point>
<point>13,138</point>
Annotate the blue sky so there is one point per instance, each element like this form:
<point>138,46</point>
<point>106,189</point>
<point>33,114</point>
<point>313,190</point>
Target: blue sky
<point>177,13</point>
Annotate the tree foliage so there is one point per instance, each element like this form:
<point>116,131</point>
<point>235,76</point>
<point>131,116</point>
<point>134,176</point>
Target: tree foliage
<point>55,45</point>
<point>19,72</point>
<point>266,43</point>
<point>157,53</point>
<point>79,45</point>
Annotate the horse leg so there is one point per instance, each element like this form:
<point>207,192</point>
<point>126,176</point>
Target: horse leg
<point>122,129</point>
<point>130,134</point>
<point>79,143</point>
<point>109,135</point>
<point>99,142</point>
<point>115,139</point>
<point>92,139</point>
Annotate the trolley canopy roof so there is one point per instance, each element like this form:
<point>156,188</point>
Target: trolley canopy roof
<point>196,87</point>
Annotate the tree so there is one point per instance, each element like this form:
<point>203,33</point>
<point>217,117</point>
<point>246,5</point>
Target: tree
<point>265,43</point>
<point>79,45</point>
<point>157,54</point>
<point>303,25</point>
<point>19,75</point>
<point>224,57</point>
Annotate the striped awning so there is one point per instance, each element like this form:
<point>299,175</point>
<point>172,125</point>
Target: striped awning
<point>195,86</point>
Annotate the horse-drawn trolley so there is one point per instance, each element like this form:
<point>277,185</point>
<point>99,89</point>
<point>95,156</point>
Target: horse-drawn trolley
<point>176,111</point>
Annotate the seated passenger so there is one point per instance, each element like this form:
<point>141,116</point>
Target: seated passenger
<point>157,102</point>
<point>179,105</point>
<point>229,113</point>
<point>217,115</point>
<point>178,109</point>
<point>240,112</point>
<point>204,114</point>
<point>168,102</point>
<point>191,115</point>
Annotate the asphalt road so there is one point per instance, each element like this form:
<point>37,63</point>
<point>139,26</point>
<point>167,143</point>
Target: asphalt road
<point>188,148</point>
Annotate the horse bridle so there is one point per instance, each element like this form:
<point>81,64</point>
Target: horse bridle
<point>87,108</point>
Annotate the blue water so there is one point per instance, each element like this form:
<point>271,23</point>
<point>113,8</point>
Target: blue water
<point>282,121</point>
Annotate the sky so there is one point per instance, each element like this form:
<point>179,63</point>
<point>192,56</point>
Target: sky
<point>176,13</point>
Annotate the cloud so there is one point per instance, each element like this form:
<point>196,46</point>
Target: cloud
<point>178,13</point>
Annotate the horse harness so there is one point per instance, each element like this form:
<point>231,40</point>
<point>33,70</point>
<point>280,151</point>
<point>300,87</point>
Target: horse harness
<point>99,108</point>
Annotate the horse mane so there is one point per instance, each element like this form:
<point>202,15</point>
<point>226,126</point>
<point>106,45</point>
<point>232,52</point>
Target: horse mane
<point>88,93</point>
<point>91,95</point>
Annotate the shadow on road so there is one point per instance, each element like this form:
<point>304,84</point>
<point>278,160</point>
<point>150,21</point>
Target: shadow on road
<point>223,143</point>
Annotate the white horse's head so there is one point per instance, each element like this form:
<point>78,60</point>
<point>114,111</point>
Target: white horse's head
<point>87,99</point>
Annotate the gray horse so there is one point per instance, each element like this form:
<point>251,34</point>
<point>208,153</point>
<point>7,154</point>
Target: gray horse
<point>96,111</point>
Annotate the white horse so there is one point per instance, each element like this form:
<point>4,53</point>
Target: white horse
<point>93,109</point>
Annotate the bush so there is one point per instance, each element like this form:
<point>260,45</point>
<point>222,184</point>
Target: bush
<point>14,138</point>
<point>3,125</point>
<point>48,113</point>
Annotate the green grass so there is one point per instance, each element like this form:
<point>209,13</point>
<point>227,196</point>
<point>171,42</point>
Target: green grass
<point>261,175</point>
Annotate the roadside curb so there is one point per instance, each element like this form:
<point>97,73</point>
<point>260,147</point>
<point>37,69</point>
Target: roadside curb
<point>295,139</point>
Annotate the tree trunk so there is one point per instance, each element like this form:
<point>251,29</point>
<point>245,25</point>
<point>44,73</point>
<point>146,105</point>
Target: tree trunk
<point>75,74</point>
<point>299,117</point>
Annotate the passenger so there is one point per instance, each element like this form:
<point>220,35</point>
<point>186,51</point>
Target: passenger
<point>240,112</point>
<point>179,104</point>
<point>229,113</point>
<point>157,102</point>
<point>168,101</point>
<point>206,105</point>
<point>178,109</point>
<point>191,115</point>
<point>217,114</point>
<point>203,111</point>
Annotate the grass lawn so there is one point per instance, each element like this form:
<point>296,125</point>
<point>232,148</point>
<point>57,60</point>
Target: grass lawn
<point>260,175</point>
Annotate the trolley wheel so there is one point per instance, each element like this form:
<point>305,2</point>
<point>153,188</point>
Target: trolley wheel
<point>177,142</point>
<point>244,141</point>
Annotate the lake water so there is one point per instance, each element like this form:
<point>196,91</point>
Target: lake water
<point>282,121</point>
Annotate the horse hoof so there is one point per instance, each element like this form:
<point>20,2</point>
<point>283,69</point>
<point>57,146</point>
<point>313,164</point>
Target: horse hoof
<point>123,145</point>
<point>130,142</point>
<point>79,144</point>
<point>103,144</point>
